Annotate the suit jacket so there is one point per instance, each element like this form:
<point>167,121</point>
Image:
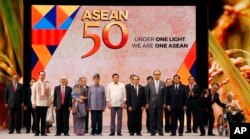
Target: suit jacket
<point>155,100</point>
<point>14,99</point>
<point>176,99</point>
<point>134,100</point>
<point>57,97</point>
<point>196,91</point>
<point>85,94</point>
<point>207,102</point>
<point>127,87</point>
<point>27,98</point>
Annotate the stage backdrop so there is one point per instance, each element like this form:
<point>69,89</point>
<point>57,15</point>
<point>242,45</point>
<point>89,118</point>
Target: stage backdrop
<point>78,41</point>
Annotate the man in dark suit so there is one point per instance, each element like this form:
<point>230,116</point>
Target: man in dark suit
<point>208,98</point>
<point>127,87</point>
<point>169,83</point>
<point>193,99</point>
<point>155,101</point>
<point>136,103</point>
<point>28,110</point>
<point>149,79</point>
<point>62,104</point>
<point>14,101</point>
<point>176,103</point>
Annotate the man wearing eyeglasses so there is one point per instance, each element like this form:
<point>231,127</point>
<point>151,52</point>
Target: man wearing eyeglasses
<point>155,102</point>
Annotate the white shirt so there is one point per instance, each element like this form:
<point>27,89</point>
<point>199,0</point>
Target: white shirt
<point>157,83</point>
<point>36,98</point>
<point>176,86</point>
<point>235,106</point>
<point>116,94</point>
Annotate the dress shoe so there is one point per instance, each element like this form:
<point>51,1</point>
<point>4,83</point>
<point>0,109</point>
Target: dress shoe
<point>211,134</point>
<point>188,131</point>
<point>172,134</point>
<point>10,132</point>
<point>202,134</point>
<point>57,134</point>
<point>44,134</point>
<point>195,131</point>
<point>167,131</point>
<point>111,134</point>
<point>138,134</point>
<point>27,131</point>
<point>180,134</point>
<point>99,134</point>
<point>161,134</point>
<point>119,134</point>
<point>18,132</point>
<point>152,134</point>
<point>131,134</point>
<point>87,132</point>
<point>37,134</point>
<point>66,134</point>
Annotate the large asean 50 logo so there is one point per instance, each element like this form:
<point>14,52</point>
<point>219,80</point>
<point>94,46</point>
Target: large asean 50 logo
<point>104,15</point>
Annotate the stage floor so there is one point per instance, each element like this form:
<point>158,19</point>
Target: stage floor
<point>4,135</point>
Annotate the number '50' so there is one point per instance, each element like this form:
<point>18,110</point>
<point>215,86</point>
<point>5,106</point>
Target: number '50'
<point>105,36</point>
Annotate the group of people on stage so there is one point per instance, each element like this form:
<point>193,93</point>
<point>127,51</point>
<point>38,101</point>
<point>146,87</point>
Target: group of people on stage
<point>171,98</point>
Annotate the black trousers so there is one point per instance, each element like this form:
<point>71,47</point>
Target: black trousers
<point>96,121</point>
<point>27,119</point>
<point>147,120</point>
<point>210,121</point>
<point>203,114</point>
<point>87,121</point>
<point>156,120</point>
<point>177,115</point>
<point>134,121</point>
<point>40,114</point>
<point>62,120</point>
<point>15,118</point>
<point>192,111</point>
<point>128,120</point>
<point>238,117</point>
<point>200,119</point>
<point>167,120</point>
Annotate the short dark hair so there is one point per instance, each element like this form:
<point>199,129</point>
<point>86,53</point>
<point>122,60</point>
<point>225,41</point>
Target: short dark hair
<point>42,71</point>
<point>149,77</point>
<point>131,76</point>
<point>79,79</point>
<point>176,76</point>
<point>216,84</point>
<point>169,79</point>
<point>190,77</point>
<point>83,78</point>
<point>115,74</point>
<point>136,76</point>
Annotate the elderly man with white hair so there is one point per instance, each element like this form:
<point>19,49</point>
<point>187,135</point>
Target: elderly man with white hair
<point>234,113</point>
<point>62,104</point>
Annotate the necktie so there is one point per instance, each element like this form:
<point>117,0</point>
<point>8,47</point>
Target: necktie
<point>176,88</point>
<point>62,94</point>
<point>157,87</point>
